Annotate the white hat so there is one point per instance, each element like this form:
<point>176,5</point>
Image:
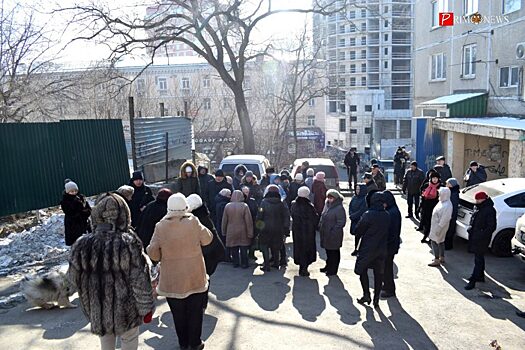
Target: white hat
<point>225,192</point>
<point>303,192</point>
<point>194,202</point>
<point>177,202</point>
<point>299,177</point>
<point>189,169</point>
<point>70,186</point>
<point>126,191</point>
<point>310,172</point>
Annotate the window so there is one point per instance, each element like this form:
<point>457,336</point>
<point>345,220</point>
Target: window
<point>469,61</point>
<point>363,13</point>
<point>351,14</point>
<point>386,37</point>
<point>353,118</point>
<point>378,106</point>
<point>185,83</point>
<point>352,55</point>
<point>363,40</point>
<point>386,9</point>
<point>368,108</point>
<point>162,84</point>
<point>517,201</point>
<point>511,5</point>
<point>342,107</point>
<point>386,51</point>
<point>206,104</point>
<point>353,131</point>
<point>311,102</point>
<point>141,85</point>
<point>352,81</point>
<point>470,7</point>
<point>405,129</point>
<point>508,76</point>
<point>332,107</point>
<point>311,120</point>
<point>386,23</point>
<point>363,27</point>
<point>438,67</point>
<point>437,7</point>
<point>353,108</point>
<point>342,81</point>
<point>341,42</point>
<point>386,65</point>
<point>342,29</point>
<point>363,81</point>
<point>352,41</point>
<point>342,125</point>
<point>363,67</point>
<point>352,68</point>
<point>206,81</point>
<point>353,28</point>
<point>368,131</point>
<point>363,53</point>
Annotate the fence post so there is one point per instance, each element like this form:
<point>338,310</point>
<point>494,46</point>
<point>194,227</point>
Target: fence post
<point>167,156</point>
<point>132,130</point>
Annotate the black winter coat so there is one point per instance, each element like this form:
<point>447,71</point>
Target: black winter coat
<point>333,221</point>
<point>292,195</point>
<point>304,225</point>
<point>141,197</point>
<point>273,221</point>
<point>203,183</point>
<point>150,216</point>
<point>213,189</point>
<point>444,171</point>
<point>357,208</point>
<point>351,162</point>
<point>399,163</point>
<point>220,204</point>
<point>482,226</point>
<point>373,229</point>
<point>214,252</point>
<point>477,177</point>
<point>394,229</point>
<point>413,181</point>
<point>76,219</point>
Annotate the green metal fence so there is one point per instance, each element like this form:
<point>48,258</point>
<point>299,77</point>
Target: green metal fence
<point>37,157</point>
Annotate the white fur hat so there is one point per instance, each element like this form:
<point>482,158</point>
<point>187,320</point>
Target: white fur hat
<point>194,202</point>
<point>299,177</point>
<point>310,172</point>
<point>177,202</point>
<point>303,192</point>
<point>225,192</point>
<point>70,186</point>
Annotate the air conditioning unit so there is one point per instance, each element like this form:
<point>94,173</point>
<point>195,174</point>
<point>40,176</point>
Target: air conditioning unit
<point>520,51</point>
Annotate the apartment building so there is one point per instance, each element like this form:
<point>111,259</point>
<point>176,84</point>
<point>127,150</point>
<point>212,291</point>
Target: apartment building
<point>469,91</point>
<point>369,52</point>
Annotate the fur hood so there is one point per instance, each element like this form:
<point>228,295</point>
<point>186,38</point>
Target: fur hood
<point>183,172</point>
<point>111,209</point>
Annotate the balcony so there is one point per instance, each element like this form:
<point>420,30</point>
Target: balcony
<point>401,55</point>
<point>373,83</point>
<point>402,27</point>
<point>401,83</point>
<point>401,14</point>
<point>373,70</point>
<point>372,55</point>
<point>400,68</point>
<point>373,41</point>
<point>401,41</point>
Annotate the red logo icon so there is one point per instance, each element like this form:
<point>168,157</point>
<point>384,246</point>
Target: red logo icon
<point>446,18</point>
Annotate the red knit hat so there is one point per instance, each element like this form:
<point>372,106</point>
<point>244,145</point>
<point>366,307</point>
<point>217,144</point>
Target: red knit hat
<point>164,194</point>
<point>481,195</point>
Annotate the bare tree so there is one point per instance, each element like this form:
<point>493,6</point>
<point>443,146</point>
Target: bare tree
<point>221,31</point>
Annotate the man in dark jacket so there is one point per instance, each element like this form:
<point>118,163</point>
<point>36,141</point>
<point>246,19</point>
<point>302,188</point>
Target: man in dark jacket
<point>151,215</point>
<point>371,187</point>
<point>238,173</point>
<point>443,169</point>
<point>265,180</point>
<point>142,195</point>
<point>412,182</point>
<point>204,179</point>
<point>399,166</point>
<point>188,182</point>
<point>379,178</point>
<point>352,163</point>
<point>453,185</point>
<point>482,225</point>
<point>475,174</point>
<point>394,241</point>
<point>214,187</point>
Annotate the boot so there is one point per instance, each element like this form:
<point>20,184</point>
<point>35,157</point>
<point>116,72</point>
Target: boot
<point>365,300</point>
<point>417,215</point>
<point>354,253</point>
<point>324,269</point>
<point>442,259</point>
<point>408,216</point>
<point>520,314</point>
<point>376,300</point>
<point>435,263</point>
<point>470,285</point>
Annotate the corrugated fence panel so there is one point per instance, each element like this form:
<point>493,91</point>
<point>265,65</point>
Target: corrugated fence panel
<point>37,157</point>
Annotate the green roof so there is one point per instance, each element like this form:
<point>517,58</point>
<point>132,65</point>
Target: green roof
<point>462,105</point>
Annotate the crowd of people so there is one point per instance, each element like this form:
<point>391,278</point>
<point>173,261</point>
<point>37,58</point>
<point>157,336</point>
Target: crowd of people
<point>188,229</point>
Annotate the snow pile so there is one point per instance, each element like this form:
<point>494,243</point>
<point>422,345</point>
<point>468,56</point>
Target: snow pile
<point>40,244</point>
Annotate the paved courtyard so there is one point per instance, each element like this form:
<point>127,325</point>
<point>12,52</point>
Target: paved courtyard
<point>280,310</point>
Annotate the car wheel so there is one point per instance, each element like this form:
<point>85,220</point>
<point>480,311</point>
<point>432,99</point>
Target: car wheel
<point>501,245</point>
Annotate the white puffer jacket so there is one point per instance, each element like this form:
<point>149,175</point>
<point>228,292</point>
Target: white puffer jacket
<point>441,216</point>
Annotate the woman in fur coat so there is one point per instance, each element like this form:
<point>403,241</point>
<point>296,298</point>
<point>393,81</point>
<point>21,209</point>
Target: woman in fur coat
<point>77,211</point>
<point>110,271</point>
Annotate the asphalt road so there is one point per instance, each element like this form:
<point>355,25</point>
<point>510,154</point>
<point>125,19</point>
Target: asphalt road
<point>280,310</point>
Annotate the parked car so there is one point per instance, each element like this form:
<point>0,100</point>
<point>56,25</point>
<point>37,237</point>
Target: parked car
<point>320,164</point>
<point>518,242</point>
<point>255,163</point>
<point>509,201</point>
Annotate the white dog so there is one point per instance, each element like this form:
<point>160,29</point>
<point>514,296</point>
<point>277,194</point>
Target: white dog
<point>46,290</point>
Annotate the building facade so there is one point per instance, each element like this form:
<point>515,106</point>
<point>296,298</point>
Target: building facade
<point>469,84</point>
<point>369,52</point>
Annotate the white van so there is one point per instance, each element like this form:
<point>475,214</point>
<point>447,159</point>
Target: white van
<point>255,163</point>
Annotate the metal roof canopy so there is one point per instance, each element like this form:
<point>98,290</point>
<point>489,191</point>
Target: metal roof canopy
<point>504,127</point>
<point>460,105</point>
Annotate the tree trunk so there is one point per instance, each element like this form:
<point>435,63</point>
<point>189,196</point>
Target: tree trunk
<point>244,120</point>
<point>295,132</point>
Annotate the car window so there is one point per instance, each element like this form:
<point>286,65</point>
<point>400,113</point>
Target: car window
<point>469,192</point>
<point>229,168</point>
<point>516,201</point>
<point>329,170</point>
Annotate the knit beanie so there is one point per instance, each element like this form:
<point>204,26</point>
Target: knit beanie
<point>249,174</point>
<point>225,192</point>
<point>111,209</point>
<point>272,188</point>
<point>453,182</point>
<point>299,177</point>
<point>164,194</point>
<point>334,193</point>
<point>194,202</point>
<point>70,186</point>
<point>177,203</point>
<point>481,195</point>
<point>310,172</point>
<point>303,192</point>
<point>126,191</point>
<point>320,176</point>
<point>137,175</point>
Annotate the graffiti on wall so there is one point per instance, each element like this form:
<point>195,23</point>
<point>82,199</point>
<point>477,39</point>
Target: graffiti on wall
<point>494,153</point>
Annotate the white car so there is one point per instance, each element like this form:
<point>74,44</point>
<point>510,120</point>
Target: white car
<point>509,201</point>
<point>253,162</point>
<point>320,164</point>
<point>518,242</point>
